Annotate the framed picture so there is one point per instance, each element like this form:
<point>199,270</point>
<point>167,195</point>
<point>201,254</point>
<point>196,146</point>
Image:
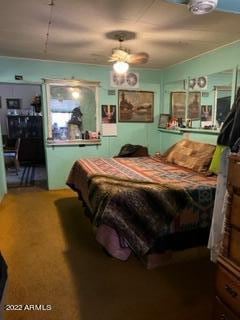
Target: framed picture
<point>206,113</point>
<point>178,104</point>
<point>108,113</point>
<point>135,106</point>
<point>163,120</point>
<point>194,105</point>
<point>13,103</point>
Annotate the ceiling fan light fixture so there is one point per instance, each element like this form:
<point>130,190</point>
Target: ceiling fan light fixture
<point>202,6</point>
<point>120,67</point>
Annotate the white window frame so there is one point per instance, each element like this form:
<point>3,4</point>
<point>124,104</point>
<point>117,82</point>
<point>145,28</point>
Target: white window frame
<point>94,85</point>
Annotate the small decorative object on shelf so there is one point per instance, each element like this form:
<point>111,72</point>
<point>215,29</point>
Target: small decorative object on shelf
<point>172,123</point>
<point>189,123</point>
<point>36,103</point>
<point>164,120</point>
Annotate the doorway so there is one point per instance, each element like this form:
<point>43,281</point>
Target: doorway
<point>22,135</point>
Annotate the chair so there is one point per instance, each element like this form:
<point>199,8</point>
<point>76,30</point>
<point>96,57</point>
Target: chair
<point>11,151</point>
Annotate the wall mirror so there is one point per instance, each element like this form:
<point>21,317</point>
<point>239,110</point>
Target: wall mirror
<point>201,102</point>
<point>220,88</point>
<point>72,109</point>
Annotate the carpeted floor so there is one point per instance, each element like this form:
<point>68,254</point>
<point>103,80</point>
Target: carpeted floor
<point>54,260</point>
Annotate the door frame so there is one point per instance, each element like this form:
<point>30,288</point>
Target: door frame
<point>2,167</point>
<point>2,164</point>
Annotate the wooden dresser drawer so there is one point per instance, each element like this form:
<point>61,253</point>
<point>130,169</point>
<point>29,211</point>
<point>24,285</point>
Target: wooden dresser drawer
<point>228,289</point>
<point>234,246</point>
<point>222,312</point>
<point>234,173</point>
<point>235,211</point>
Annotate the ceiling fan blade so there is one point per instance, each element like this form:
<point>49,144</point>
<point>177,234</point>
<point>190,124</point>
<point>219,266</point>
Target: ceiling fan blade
<point>118,55</point>
<point>231,6</point>
<point>178,1</point>
<point>138,58</point>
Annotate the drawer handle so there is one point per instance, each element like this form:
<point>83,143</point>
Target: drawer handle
<point>231,291</point>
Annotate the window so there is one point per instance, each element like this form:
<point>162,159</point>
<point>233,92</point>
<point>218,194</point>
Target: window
<point>72,111</point>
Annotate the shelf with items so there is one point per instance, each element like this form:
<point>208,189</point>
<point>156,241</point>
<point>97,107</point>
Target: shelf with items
<point>73,142</point>
<point>176,131</point>
<point>193,130</point>
<point>199,130</point>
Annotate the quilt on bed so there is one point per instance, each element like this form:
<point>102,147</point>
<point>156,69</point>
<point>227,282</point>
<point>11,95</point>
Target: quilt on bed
<point>143,198</point>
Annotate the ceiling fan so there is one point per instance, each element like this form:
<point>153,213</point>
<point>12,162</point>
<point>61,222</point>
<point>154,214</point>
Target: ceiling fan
<point>122,57</point>
<point>206,6</point>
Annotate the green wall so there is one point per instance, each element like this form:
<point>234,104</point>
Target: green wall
<point>224,58</point>
<point>60,158</point>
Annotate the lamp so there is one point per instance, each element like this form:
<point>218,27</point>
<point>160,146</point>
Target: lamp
<point>75,94</point>
<point>202,6</point>
<point>120,67</point>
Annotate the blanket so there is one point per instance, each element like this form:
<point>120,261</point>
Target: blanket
<point>138,210</point>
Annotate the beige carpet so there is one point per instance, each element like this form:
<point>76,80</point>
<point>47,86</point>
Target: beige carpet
<point>54,260</point>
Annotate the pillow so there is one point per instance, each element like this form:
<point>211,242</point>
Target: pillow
<point>193,155</point>
<point>216,160</point>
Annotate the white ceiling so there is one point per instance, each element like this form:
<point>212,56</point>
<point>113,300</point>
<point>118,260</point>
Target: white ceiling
<point>79,28</point>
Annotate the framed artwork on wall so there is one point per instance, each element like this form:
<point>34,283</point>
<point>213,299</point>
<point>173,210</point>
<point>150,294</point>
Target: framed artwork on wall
<point>206,113</point>
<point>164,120</point>
<point>108,113</point>
<point>194,105</point>
<point>135,106</point>
<point>178,104</point>
<point>13,103</point>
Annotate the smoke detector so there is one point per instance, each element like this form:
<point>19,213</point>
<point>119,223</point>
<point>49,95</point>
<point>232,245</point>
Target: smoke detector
<point>202,6</point>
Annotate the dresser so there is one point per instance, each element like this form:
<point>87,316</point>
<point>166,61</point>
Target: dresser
<point>227,305</point>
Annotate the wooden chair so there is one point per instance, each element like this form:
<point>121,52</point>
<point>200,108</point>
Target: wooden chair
<point>11,154</point>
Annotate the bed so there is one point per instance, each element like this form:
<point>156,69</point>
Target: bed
<point>148,204</point>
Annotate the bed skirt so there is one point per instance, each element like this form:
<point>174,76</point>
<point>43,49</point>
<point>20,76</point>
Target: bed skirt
<point>164,251</point>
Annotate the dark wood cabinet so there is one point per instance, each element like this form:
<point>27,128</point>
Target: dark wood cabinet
<point>30,130</point>
<point>228,267</point>
<point>24,126</point>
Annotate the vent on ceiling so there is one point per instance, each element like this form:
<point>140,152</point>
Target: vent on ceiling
<point>202,6</point>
